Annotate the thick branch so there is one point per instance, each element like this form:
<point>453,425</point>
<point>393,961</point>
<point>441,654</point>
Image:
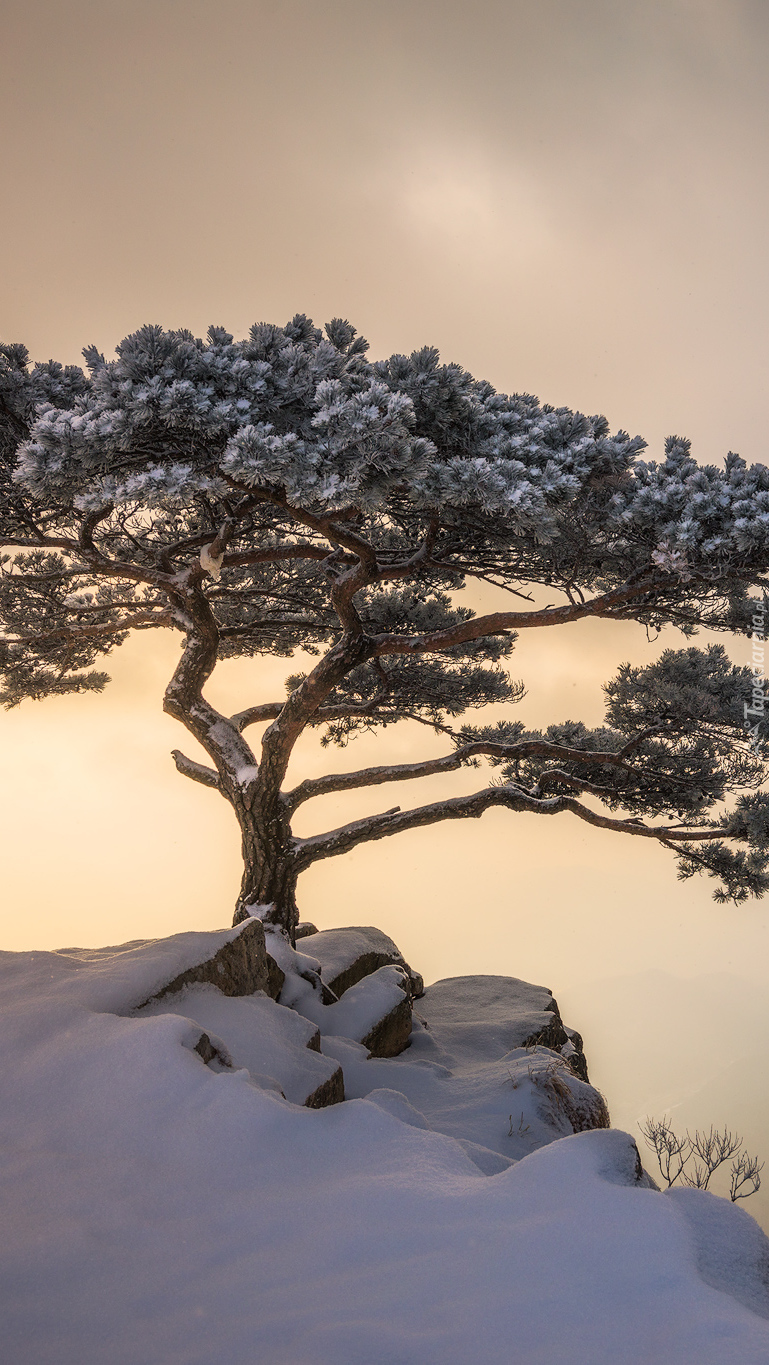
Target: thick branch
<point>402,772</point>
<point>343,592</point>
<point>329,527</point>
<point>240,559</point>
<point>610,604</point>
<point>369,777</point>
<point>88,526</point>
<point>42,542</point>
<point>271,710</point>
<point>118,602</point>
<point>96,561</point>
<point>184,698</point>
<point>240,632</point>
<point>138,621</point>
<point>341,840</point>
<point>349,836</point>
<point>664,834</point>
<point>208,777</point>
<point>326,525</point>
<point>279,739</point>
<point>268,711</point>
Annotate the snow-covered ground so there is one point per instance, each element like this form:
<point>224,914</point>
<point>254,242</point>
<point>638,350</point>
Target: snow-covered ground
<point>160,1211</point>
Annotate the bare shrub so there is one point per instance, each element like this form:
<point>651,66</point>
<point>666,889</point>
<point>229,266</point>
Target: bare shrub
<point>694,1159</point>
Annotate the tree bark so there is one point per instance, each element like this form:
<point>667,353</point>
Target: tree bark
<point>269,863</point>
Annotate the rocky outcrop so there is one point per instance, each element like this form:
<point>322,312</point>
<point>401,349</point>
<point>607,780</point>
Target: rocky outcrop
<point>487,1060</point>
<point>240,967</point>
<point>474,1070</point>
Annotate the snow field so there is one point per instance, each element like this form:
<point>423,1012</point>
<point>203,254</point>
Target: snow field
<point>159,1211</point>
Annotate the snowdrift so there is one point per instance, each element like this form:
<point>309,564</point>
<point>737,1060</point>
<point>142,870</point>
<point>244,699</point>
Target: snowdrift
<point>174,1206</point>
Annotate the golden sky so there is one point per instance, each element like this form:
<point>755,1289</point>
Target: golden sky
<point>567,198</point>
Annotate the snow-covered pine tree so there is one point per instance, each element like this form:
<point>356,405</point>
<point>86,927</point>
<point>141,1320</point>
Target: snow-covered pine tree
<point>283,492</point>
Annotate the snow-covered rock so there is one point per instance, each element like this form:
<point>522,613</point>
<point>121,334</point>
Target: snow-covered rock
<point>346,956</point>
<point>239,966</point>
<point>129,975</point>
<point>480,1018</point>
<point>375,1012</point>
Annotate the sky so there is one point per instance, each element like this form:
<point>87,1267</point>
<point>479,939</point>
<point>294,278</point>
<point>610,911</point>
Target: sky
<point>566,198</point>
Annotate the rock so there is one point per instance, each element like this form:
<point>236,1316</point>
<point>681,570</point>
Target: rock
<point>211,1053</point>
<point>346,956</point>
<point>486,1016</point>
<point>240,967</point>
<point>391,1034</point>
<point>490,1015</point>
<point>565,1099</point>
<point>330,1092</point>
<point>304,929</point>
<point>572,1054</point>
<point>375,1011</point>
<point>275,978</point>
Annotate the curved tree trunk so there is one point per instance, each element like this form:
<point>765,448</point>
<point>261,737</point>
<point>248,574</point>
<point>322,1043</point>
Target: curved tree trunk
<point>270,862</point>
<point>269,866</point>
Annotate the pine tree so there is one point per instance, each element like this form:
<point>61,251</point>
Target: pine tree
<point>284,492</point>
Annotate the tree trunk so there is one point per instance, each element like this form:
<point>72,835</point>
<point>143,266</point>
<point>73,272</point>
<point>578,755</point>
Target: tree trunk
<point>269,866</point>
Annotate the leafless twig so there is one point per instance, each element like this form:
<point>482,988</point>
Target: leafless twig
<point>695,1159</point>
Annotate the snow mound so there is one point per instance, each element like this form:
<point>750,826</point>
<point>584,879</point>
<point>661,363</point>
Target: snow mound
<point>269,1041</point>
<point>732,1251</point>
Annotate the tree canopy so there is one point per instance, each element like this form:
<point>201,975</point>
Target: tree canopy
<point>284,492</point>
